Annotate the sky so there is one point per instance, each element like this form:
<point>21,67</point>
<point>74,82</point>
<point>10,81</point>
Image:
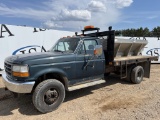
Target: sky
<point>73,15</point>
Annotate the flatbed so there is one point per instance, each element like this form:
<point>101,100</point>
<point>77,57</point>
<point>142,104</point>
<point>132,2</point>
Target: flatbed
<point>133,59</point>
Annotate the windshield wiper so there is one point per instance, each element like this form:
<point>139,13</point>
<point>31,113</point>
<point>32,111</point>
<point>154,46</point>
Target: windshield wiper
<point>58,51</point>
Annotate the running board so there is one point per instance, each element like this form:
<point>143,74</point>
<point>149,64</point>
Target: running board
<point>76,87</point>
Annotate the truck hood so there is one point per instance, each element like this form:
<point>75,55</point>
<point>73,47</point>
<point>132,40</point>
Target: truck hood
<point>38,58</point>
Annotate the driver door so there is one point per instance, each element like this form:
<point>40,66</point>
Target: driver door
<point>87,65</point>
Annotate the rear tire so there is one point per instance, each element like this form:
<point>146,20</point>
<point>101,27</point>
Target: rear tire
<point>137,74</point>
<point>129,71</point>
<point>48,95</point>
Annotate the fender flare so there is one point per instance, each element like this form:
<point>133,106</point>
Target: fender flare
<point>53,70</point>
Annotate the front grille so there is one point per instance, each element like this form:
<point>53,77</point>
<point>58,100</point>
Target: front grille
<point>8,69</point>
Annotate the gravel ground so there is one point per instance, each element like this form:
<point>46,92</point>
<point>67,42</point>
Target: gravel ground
<point>114,100</point>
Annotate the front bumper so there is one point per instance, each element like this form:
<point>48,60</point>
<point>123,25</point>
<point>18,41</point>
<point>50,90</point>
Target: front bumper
<point>17,87</point>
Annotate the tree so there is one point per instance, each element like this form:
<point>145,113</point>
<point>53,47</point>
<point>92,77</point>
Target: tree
<point>156,32</point>
<point>140,32</point>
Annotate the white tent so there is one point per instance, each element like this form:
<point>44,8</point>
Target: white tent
<point>20,40</point>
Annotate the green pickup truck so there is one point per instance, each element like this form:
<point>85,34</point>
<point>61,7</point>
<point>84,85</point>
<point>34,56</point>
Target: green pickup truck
<point>74,63</point>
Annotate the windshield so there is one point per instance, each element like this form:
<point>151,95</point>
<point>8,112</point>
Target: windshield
<point>66,45</point>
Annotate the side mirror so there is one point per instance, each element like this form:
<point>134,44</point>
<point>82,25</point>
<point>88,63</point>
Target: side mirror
<point>98,50</point>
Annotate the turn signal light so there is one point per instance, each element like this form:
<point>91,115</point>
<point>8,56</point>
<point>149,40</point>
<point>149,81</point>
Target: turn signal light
<point>21,74</point>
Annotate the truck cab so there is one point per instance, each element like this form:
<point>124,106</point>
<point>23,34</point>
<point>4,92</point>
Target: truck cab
<point>84,65</point>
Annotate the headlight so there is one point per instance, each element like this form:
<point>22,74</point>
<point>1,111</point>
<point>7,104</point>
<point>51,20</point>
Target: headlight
<point>20,71</point>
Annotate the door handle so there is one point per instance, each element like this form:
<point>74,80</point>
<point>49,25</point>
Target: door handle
<point>67,67</point>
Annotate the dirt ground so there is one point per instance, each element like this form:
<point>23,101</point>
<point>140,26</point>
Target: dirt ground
<point>114,100</point>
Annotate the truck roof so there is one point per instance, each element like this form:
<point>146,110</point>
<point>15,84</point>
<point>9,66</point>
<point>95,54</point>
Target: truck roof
<point>88,37</point>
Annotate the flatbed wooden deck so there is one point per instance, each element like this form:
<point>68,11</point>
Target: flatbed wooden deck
<point>133,59</point>
<point>127,58</point>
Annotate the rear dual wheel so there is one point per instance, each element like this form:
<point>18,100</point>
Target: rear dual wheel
<point>135,74</point>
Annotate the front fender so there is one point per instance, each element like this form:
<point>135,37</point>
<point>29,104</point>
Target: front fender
<point>37,74</point>
<point>50,70</point>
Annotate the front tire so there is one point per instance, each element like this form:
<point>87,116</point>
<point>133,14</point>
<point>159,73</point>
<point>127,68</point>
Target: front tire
<point>48,95</point>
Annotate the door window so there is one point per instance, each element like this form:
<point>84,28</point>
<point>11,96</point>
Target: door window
<point>89,46</point>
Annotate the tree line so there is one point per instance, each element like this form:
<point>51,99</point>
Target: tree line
<point>139,32</point>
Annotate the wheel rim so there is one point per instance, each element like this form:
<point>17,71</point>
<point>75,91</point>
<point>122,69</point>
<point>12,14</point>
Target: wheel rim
<point>139,75</point>
<point>51,96</point>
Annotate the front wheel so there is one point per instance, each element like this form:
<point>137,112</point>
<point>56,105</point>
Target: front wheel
<point>48,95</point>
